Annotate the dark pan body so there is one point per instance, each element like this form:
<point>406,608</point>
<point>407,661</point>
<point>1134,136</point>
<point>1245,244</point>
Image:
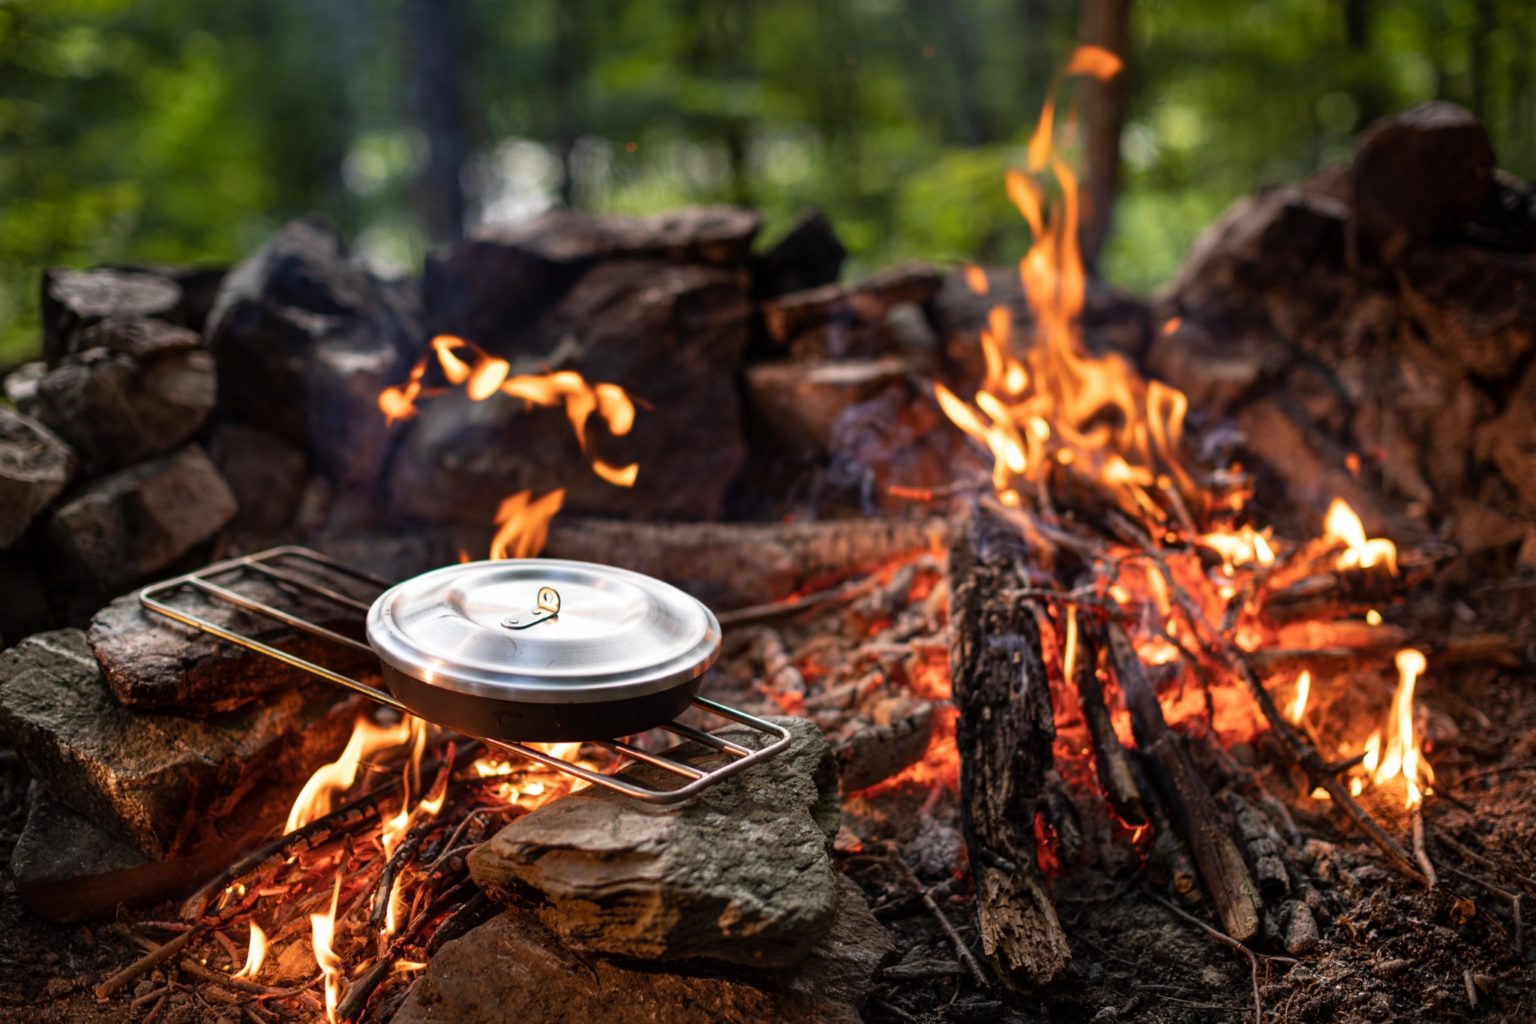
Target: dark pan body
<point>525,721</point>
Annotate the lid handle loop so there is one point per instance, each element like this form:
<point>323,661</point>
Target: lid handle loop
<point>547,606</point>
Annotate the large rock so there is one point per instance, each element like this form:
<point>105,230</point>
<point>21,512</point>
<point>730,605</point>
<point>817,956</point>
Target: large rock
<point>305,340</point>
<point>267,475</point>
<point>672,336</point>
<point>120,406</point>
<point>34,467</point>
<point>492,286</point>
<point>152,779</point>
<point>75,299</point>
<point>740,873</point>
<point>848,321</point>
<point>126,527</point>
<point>513,969</point>
<point>1419,175</point>
<point>152,662</point>
<point>69,868</point>
<point>808,256</point>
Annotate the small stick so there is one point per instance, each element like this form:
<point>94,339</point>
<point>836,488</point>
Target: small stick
<point>1419,854</point>
<point>147,962</point>
<point>1231,943</point>
<point>406,851</point>
<point>961,949</point>
<point>365,808</point>
<point>150,996</point>
<point>804,602</point>
<point>154,1011</point>
<point>1466,978</point>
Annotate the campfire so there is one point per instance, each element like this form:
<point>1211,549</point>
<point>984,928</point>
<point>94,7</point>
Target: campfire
<point>1054,670</point>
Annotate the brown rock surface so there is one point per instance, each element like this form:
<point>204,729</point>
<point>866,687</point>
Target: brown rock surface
<point>75,299</point>
<point>153,662</point>
<point>34,467</point>
<point>672,336</point>
<point>151,778</point>
<point>68,868</point>
<point>116,409</point>
<point>127,527</point>
<point>514,969</point>
<point>741,873</point>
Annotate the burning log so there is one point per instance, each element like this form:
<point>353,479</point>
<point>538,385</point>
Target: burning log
<point>876,753</point>
<point>1109,755</point>
<point>1226,877</point>
<point>730,565</point>
<point>1004,734</point>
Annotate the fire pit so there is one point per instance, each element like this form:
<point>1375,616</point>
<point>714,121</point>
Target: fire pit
<point>1070,654</point>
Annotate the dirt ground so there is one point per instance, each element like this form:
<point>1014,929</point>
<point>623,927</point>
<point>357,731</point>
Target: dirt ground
<point>1386,950</point>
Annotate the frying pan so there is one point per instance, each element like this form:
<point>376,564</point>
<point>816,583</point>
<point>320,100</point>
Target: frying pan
<point>542,649</point>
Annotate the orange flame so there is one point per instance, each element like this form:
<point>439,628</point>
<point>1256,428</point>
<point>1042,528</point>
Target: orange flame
<point>1402,756</point>
<point>255,955</point>
<point>523,523</point>
<point>322,935</point>
<point>482,375</point>
<point>1298,708</point>
<point>315,799</point>
<point>1056,404</point>
<point>1344,526</point>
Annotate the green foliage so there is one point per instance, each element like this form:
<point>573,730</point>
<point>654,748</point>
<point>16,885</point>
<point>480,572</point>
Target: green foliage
<point>182,130</point>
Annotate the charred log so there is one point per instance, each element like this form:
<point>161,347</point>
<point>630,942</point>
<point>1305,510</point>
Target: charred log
<point>1222,869</point>
<point>1004,733</point>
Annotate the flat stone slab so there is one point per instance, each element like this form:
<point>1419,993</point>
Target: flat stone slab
<point>512,968</point>
<point>153,662</point>
<point>151,778</point>
<point>68,868</point>
<point>741,873</point>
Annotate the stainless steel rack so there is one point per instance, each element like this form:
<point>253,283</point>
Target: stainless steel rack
<point>298,570</point>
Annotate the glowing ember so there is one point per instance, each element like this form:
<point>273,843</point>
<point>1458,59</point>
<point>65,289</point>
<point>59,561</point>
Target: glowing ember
<point>255,955</point>
<point>1360,552</point>
<point>315,799</point>
<point>1298,707</point>
<point>522,523</point>
<point>322,934</point>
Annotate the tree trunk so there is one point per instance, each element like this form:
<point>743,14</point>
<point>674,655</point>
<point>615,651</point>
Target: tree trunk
<point>1105,23</point>
<point>437,94</point>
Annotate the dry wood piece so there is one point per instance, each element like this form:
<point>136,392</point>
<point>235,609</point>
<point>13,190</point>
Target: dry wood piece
<point>1109,756</point>
<point>1004,734</point>
<point>1221,865</point>
<point>731,565</point>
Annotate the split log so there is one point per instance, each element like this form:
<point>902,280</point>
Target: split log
<point>1222,869</point>
<point>1004,733</point>
<point>731,565</point>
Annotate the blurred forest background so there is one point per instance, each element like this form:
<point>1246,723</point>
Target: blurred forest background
<point>186,130</point>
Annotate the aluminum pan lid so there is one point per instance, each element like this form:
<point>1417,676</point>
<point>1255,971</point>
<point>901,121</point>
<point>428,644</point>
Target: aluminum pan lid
<point>477,628</point>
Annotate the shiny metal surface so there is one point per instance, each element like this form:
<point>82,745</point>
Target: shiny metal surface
<point>616,634</point>
<point>292,566</point>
